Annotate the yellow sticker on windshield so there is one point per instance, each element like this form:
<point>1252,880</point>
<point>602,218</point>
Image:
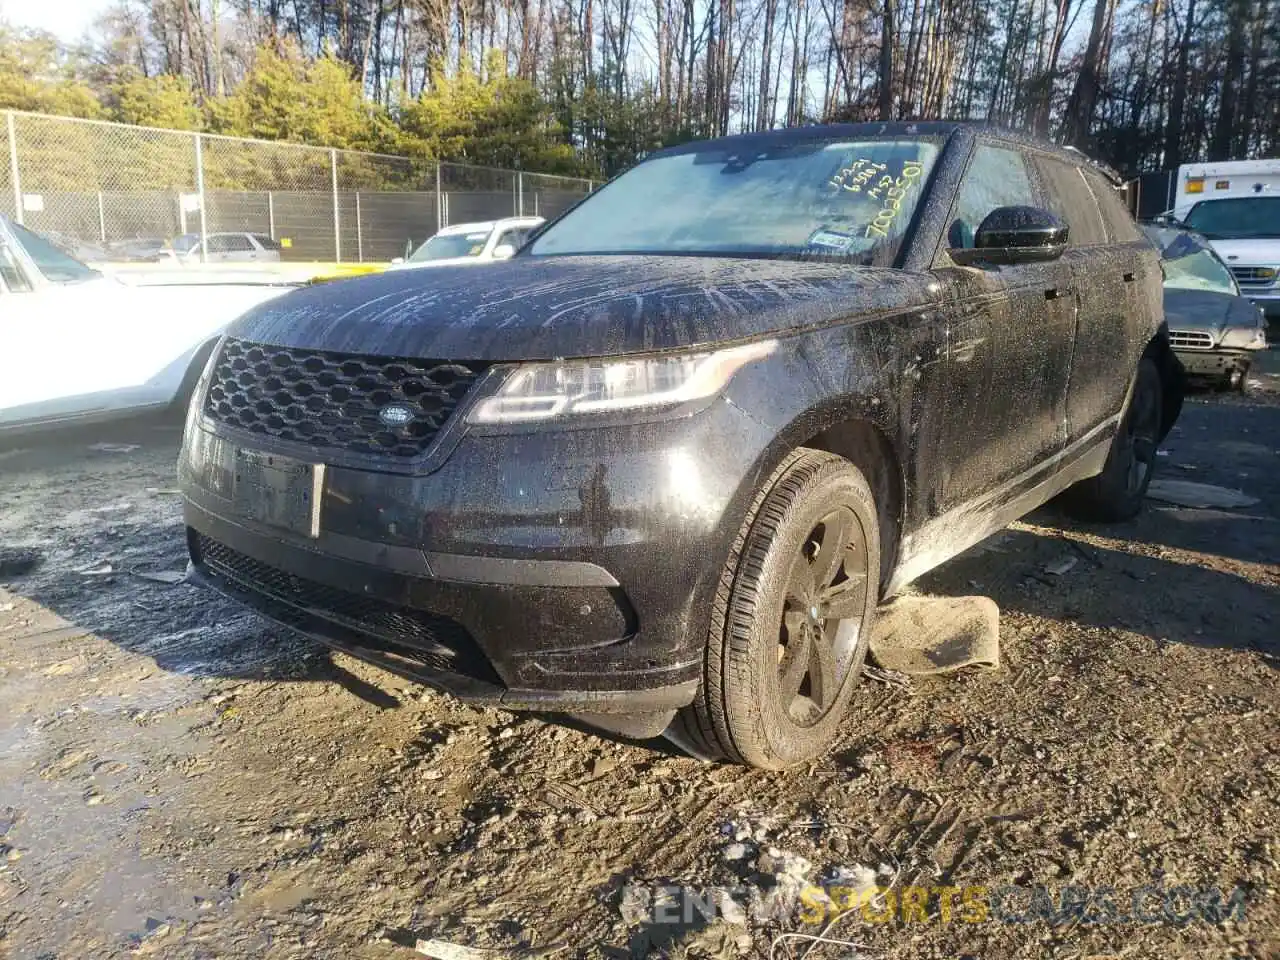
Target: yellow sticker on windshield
<point>475,250</point>
<point>891,191</point>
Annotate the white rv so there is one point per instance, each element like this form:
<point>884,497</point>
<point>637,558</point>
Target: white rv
<point>1236,206</point>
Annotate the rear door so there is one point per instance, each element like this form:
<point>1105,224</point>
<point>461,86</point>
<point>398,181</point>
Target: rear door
<point>1114,270</point>
<point>1009,342</point>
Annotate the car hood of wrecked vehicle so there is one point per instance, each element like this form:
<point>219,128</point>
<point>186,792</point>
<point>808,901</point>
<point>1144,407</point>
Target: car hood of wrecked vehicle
<point>1207,310</point>
<point>543,308</point>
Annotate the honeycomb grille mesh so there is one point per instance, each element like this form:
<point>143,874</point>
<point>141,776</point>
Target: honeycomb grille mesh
<point>329,399</point>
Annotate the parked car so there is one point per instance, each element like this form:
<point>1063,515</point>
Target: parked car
<point>1214,330</point>
<point>78,345</point>
<point>140,250</point>
<point>1245,232</point>
<point>472,243</point>
<point>227,248</point>
<point>670,456</point>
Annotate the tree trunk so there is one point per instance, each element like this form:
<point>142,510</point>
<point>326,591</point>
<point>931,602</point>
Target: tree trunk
<point>1178,99</point>
<point>887,41</point>
<point>1084,96</point>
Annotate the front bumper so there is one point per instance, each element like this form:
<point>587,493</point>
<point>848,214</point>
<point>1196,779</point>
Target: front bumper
<point>1215,364</point>
<point>561,570</point>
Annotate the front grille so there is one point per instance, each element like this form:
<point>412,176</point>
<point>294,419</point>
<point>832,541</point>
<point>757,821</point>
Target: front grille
<point>1254,276</point>
<point>438,642</point>
<point>1190,339</point>
<point>329,399</point>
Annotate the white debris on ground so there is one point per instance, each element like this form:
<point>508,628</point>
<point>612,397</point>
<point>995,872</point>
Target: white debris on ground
<point>1185,493</point>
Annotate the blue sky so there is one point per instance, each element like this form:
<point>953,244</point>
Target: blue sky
<point>68,19</point>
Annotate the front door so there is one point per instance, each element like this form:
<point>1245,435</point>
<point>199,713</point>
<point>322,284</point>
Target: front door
<point>1009,344</point>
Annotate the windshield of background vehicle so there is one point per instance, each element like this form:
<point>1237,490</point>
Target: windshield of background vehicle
<point>56,266</point>
<point>1236,218</point>
<point>1188,263</point>
<point>850,200</point>
<point>450,246</point>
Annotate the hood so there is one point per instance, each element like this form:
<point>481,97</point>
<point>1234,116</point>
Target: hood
<point>541,308</point>
<point>1248,253</point>
<point>1206,310</point>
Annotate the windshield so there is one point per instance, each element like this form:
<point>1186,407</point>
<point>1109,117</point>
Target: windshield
<point>850,199</point>
<point>1237,218</point>
<point>1188,263</point>
<point>56,266</point>
<point>451,245</point>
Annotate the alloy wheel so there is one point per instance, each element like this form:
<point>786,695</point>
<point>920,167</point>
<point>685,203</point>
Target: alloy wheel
<point>822,616</point>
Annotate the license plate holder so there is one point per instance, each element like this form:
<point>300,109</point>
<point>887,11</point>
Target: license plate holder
<point>278,491</point>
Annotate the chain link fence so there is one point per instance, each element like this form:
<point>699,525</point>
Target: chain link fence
<point>108,191</point>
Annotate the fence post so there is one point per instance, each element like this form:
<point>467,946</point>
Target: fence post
<point>13,170</point>
<point>520,190</point>
<point>271,215</point>
<point>439,200</point>
<point>204,224</point>
<point>337,232</point>
<point>359,232</point>
<point>102,220</point>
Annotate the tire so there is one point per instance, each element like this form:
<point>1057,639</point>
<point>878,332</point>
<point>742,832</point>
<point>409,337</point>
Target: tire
<point>178,406</point>
<point>778,674</point>
<point>1116,494</point>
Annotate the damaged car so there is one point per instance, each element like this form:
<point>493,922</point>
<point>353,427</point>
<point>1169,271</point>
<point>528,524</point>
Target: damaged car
<point>658,469</point>
<point>1215,331</point>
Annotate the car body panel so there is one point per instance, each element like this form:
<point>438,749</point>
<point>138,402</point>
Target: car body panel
<point>101,347</point>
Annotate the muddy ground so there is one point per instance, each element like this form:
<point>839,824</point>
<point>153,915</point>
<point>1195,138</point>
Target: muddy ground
<point>179,779</point>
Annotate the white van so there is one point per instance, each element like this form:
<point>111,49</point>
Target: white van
<point>1236,206</point>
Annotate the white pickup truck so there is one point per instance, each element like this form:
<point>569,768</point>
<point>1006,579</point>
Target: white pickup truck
<point>1235,205</point>
<point>78,345</point>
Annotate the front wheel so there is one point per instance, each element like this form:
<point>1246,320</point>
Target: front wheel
<point>792,618</point>
<point>1118,491</point>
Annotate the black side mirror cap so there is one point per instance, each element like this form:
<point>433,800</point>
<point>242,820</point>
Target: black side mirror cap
<point>1016,235</point>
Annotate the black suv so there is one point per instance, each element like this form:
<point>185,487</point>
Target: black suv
<point>662,465</point>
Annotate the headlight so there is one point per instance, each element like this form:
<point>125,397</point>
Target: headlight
<point>546,391</point>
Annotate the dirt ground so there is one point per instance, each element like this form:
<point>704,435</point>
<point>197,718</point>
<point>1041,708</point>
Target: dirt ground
<point>179,779</point>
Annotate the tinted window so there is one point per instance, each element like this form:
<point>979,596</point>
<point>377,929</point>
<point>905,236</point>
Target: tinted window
<point>848,199</point>
<point>1115,214</point>
<point>997,177</point>
<point>266,243</point>
<point>56,266</point>
<point>1070,198</point>
<point>229,243</point>
<point>516,236</point>
<point>449,246</point>
<point>1237,218</point>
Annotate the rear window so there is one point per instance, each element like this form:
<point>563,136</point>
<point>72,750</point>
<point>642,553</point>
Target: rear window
<point>1070,198</point>
<point>1115,214</point>
<point>266,243</point>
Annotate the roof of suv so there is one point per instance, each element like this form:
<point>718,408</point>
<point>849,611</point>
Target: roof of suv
<point>487,225</point>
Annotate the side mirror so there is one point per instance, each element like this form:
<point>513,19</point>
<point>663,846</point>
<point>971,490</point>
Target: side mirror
<point>397,259</point>
<point>1016,235</point>
<point>504,251</point>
